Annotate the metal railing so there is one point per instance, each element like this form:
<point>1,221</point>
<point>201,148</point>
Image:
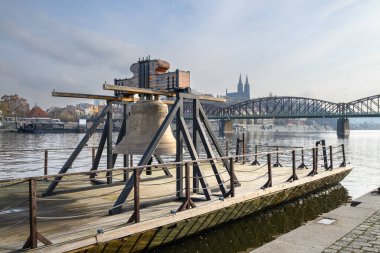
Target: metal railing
<point>294,158</point>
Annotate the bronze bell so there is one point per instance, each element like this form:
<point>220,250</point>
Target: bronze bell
<point>144,121</point>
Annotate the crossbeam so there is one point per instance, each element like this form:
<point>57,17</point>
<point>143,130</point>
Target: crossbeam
<point>93,96</point>
<point>142,91</point>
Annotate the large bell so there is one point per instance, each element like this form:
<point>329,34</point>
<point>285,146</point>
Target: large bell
<point>144,121</point>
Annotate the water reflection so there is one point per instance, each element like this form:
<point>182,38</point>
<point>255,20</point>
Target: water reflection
<point>253,231</point>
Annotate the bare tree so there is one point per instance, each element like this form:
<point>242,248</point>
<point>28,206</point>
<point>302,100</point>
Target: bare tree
<point>15,106</point>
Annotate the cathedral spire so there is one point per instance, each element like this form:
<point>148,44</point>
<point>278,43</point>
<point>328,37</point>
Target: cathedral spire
<point>247,88</point>
<point>240,86</point>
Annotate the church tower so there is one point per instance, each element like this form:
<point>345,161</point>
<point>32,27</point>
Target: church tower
<point>247,89</point>
<point>240,87</point>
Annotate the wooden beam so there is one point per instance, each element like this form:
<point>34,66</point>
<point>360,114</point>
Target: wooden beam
<point>92,96</point>
<point>208,98</point>
<point>134,90</point>
<point>102,97</point>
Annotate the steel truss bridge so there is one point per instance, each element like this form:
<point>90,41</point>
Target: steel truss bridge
<point>290,107</point>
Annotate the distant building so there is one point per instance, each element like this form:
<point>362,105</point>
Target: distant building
<point>37,112</point>
<point>243,92</point>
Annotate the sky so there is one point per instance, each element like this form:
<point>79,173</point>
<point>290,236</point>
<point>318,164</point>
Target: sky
<point>321,49</point>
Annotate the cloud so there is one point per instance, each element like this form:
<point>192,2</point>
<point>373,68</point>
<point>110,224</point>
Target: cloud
<point>321,49</point>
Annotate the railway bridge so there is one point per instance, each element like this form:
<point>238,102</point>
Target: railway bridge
<point>292,107</point>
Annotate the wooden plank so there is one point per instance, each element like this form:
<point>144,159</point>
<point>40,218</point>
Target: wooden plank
<point>142,91</point>
<point>247,199</point>
<point>92,96</point>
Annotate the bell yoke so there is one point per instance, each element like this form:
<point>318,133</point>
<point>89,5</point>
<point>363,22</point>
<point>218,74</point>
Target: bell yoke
<point>146,131</point>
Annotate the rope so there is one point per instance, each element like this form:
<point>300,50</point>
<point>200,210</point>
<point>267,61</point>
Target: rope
<point>19,203</point>
<point>246,181</point>
<point>12,226</point>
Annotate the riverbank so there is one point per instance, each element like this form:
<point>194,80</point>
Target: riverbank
<point>353,228</point>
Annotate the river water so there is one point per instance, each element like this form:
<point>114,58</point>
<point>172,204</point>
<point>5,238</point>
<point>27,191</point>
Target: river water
<point>22,155</point>
<point>19,158</point>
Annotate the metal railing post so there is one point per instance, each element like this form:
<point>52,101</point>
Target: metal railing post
<point>255,162</point>
<point>187,202</point>
<point>243,148</point>
<point>232,177</point>
<point>331,158</point>
<point>269,182</point>
<point>343,164</point>
<point>227,148</point>
<point>34,235</point>
<point>302,165</point>
<point>294,176</point>
<point>32,213</point>
<point>315,163</point>
<point>277,164</point>
<point>187,180</point>
<point>237,149</point>
<point>46,163</point>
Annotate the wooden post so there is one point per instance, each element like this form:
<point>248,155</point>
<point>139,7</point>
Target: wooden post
<point>331,157</point>
<point>243,148</point>
<point>227,148</point>
<point>46,163</point>
<point>137,196</point>
<point>232,177</point>
<point>269,182</point>
<point>32,213</point>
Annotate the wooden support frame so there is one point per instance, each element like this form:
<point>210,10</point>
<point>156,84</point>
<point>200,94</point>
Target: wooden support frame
<point>215,142</point>
<point>182,133</point>
<point>77,150</point>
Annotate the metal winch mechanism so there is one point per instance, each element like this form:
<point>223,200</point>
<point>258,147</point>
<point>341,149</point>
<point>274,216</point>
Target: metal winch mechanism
<point>146,127</point>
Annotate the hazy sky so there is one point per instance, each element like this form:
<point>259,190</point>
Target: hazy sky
<point>323,49</point>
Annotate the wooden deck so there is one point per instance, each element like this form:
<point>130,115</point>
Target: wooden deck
<point>70,218</point>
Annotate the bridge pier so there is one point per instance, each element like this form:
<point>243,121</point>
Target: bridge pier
<point>225,126</point>
<point>343,127</point>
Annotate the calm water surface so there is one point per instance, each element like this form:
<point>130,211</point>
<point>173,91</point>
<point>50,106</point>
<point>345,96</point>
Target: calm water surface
<point>18,158</point>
